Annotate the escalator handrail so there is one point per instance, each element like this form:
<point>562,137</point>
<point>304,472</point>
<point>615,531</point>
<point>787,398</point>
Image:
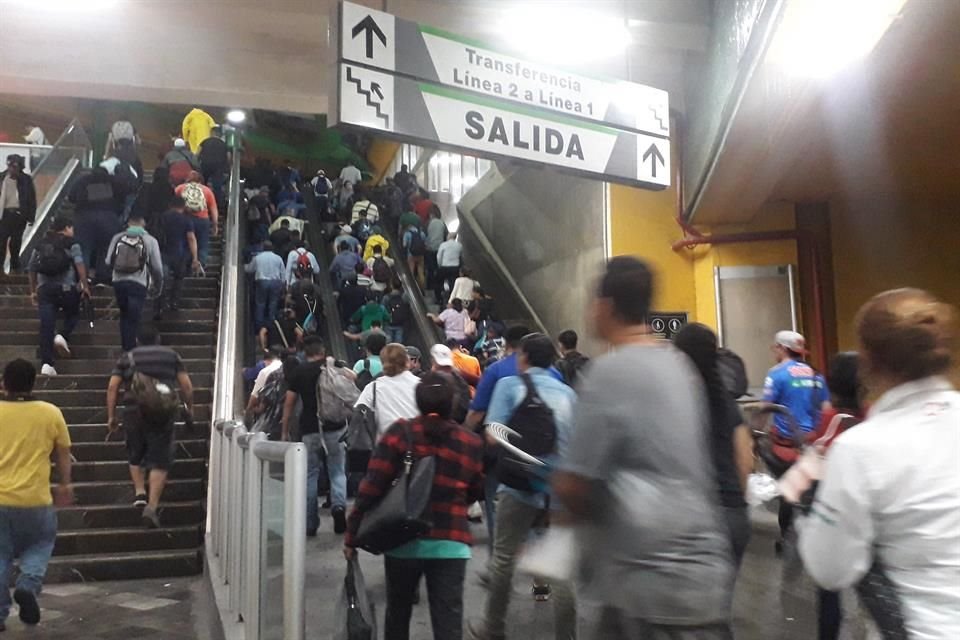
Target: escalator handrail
<point>429,332</point>
<point>231,318</point>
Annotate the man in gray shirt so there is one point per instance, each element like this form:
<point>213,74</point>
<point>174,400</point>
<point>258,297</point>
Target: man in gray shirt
<point>134,257</point>
<point>638,477</point>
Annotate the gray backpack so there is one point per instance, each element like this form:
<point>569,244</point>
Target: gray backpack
<point>130,254</point>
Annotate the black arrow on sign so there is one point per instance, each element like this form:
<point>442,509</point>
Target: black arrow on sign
<point>370,26</point>
<point>654,152</point>
<point>375,87</point>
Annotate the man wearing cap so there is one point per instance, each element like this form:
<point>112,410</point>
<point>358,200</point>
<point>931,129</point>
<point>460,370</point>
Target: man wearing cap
<point>795,385</point>
<point>415,362</point>
<point>18,204</point>
<point>442,357</point>
<point>321,191</point>
<point>346,235</point>
<point>180,161</point>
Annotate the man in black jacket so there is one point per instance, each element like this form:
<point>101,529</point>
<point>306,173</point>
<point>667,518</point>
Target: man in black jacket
<point>571,362</point>
<point>18,202</point>
<point>99,199</point>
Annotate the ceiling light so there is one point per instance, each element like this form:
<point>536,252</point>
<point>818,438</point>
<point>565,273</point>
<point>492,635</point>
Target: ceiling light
<point>236,116</point>
<point>819,38</point>
<point>564,35</point>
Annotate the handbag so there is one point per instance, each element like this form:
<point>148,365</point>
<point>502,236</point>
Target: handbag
<point>355,617</point>
<point>361,435</point>
<point>403,513</point>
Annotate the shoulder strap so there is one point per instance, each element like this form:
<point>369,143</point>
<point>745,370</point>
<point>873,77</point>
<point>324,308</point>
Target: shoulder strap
<point>528,383</point>
<point>283,337</point>
<point>374,395</point>
<point>832,428</point>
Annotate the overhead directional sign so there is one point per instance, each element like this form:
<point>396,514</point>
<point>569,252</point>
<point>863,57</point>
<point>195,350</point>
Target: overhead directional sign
<point>439,89</point>
<point>401,46</point>
<point>439,116</point>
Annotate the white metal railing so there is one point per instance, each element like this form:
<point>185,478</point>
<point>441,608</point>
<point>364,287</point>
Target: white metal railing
<point>256,533</point>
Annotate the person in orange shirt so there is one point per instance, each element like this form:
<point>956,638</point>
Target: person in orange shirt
<point>201,204</point>
<point>422,206</point>
<point>466,364</point>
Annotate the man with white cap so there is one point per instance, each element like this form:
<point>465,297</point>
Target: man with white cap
<point>442,358</point>
<point>346,235</point>
<point>180,161</point>
<point>795,385</point>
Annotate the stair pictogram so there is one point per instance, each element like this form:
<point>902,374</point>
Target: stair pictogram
<point>374,88</point>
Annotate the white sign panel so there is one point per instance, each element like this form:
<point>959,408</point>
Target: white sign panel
<point>378,39</point>
<point>368,96</point>
<point>368,36</point>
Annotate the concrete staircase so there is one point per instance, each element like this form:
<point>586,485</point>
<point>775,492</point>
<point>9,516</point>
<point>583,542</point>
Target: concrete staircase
<point>100,537</point>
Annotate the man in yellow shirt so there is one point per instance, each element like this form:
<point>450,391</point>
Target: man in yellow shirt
<point>31,431</point>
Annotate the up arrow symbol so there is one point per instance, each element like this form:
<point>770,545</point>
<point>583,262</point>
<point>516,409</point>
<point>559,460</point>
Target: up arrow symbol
<point>654,154</point>
<point>369,26</point>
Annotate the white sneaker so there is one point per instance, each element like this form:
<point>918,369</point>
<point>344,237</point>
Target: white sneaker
<point>61,345</point>
<point>48,370</point>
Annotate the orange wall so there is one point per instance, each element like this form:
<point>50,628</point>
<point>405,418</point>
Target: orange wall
<point>880,243</point>
<point>642,223</point>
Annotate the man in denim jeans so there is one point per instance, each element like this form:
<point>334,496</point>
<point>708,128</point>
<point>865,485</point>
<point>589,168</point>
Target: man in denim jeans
<point>269,275</point>
<point>33,430</point>
<point>130,284</point>
<point>318,435</point>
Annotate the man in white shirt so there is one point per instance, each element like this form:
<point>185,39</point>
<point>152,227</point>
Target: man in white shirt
<point>393,394</point>
<point>272,361</point>
<point>363,208</point>
<point>35,135</point>
<point>351,174</point>
<point>448,265</point>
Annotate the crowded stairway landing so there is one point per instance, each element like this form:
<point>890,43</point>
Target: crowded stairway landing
<point>101,536</point>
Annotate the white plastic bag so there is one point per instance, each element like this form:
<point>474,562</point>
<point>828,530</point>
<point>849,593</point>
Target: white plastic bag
<point>761,487</point>
<point>553,557</point>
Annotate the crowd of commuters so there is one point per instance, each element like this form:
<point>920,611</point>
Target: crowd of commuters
<point>643,452</point>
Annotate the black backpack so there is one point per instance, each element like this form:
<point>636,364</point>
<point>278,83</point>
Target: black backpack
<point>571,367</point>
<point>733,372</point>
<point>53,258</point>
<point>418,246</point>
<point>535,423</point>
<point>399,310</point>
<point>462,406</point>
<point>365,376</point>
<point>381,271</point>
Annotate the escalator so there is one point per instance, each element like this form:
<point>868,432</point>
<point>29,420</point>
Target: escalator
<point>420,331</point>
<point>332,330</point>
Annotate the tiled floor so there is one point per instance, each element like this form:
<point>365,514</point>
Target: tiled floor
<point>773,601</point>
<point>170,609</point>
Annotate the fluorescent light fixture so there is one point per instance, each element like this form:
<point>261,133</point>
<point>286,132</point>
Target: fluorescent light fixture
<point>454,225</point>
<point>564,35</point>
<point>236,116</point>
<point>65,5</point>
<point>820,38</point>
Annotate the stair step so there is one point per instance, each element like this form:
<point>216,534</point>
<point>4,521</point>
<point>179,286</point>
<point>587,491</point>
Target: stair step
<point>208,301</point>
<point>31,324</point>
<point>108,339</point>
<point>112,313</point>
<point>112,492</point>
<point>111,353</point>
<point>124,566</point>
<point>125,540</point>
<point>82,398</point>
<point>109,452</point>
<point>96,432</point>
<point>97,414</point>
<point>201,284</point>
<point>119,471</point>
<point>70,367</point>
<point>94,382</point>
<point>126,515</point>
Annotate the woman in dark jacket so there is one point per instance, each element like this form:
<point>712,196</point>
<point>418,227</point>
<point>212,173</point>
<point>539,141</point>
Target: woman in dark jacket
<point>730,440</point>
<point>442,554</point>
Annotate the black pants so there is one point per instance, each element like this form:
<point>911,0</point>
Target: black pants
<point>829,614</point>
<point>444,589</point>
<point>738,526</point>
<point>12,225</point>
<point>175,269</point>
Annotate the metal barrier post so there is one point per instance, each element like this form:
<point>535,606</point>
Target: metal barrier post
<point>295,542</point>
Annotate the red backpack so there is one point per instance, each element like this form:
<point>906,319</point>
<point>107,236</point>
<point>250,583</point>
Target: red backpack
<point>304,267</point>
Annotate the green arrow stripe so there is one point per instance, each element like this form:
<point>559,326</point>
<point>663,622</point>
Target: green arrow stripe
<point>520,109</point>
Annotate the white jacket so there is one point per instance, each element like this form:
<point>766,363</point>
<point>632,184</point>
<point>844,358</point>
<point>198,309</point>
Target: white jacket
<point>891,489</point>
